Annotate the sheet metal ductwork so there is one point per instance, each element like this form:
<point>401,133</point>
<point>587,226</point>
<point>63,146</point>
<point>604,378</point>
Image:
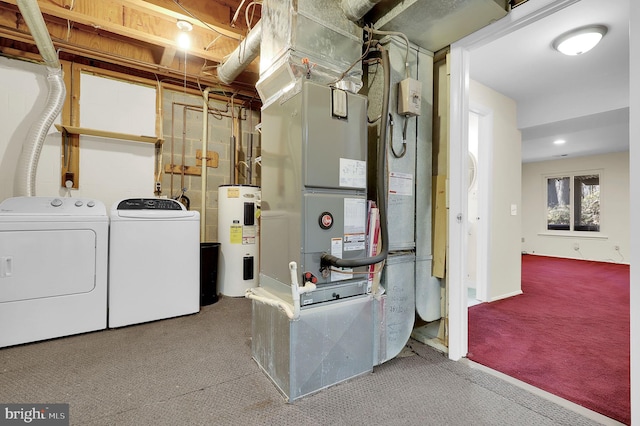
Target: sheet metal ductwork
<point>356,9</point>
<point>242,56</point>
<point>249,48</point>
<point>28,162</point>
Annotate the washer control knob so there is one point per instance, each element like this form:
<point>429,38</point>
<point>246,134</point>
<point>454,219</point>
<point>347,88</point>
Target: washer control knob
<point>79,203</point>
<point>56,202</point>
<point>91,203</point>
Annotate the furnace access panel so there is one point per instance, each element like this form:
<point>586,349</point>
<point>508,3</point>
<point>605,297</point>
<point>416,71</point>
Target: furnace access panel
<point>314,181</point>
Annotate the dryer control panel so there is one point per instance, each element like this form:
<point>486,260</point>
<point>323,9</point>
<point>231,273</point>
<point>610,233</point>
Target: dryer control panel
<point>62,206</point>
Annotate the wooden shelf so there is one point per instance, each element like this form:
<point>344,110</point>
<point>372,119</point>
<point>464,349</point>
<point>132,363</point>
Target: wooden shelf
<point>106,134</point>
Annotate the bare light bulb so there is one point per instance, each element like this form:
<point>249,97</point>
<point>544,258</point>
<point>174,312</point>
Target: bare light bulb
<point>184,41</point>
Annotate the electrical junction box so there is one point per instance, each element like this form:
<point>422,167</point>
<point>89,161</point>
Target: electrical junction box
<point>409,97</point>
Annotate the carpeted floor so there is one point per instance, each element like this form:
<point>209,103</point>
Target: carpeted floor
<point>197,370</point>
<point>568,333</point>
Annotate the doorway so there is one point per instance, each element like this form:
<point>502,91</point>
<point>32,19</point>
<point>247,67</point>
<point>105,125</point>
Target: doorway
<point>479,146</point>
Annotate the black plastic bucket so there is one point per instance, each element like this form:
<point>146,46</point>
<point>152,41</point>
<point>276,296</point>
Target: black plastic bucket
<point>209,253</point>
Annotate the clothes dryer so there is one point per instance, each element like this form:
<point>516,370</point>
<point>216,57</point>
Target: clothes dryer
<point>154,261</point>
<point>53,268</point>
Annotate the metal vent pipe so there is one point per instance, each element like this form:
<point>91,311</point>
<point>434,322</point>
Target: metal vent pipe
<point>356,9</point>
<point>242,56</point>
<point>28,162</point>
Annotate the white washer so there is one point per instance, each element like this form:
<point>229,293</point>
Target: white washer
<point>154,261</point>
<point>53,268</point>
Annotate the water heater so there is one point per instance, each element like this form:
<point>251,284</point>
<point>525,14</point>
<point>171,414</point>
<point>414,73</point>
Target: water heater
<point>238,214</point>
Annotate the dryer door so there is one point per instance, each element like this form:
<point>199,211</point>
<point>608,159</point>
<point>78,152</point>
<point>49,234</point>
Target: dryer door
<point>44,263</point>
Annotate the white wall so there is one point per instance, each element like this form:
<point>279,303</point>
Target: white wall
<point>109,169</point>
<point>614,229</point>
<point>22,85</point>
<point>634,152</point>
<point>504,228</point>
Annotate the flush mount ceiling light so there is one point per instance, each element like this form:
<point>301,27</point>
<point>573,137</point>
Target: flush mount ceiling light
<point>183,37</point>
<point>559,142</point>
<point>579,40</point>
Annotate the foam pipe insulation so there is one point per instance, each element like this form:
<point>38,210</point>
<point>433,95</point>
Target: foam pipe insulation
<point>28,162</point>
<point>242,56</point>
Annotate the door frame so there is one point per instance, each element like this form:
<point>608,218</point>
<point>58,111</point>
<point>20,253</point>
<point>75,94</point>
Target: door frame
<point>483,176</point>
<point>460,63</point>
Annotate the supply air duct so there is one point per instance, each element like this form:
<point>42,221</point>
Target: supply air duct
<point>28,162</point>
<point>242,56</point>
<point>356,9</point>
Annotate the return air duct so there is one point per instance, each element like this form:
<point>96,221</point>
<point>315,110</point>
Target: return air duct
<point>28,162</point>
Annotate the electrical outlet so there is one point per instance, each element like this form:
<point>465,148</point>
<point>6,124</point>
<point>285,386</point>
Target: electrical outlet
<point>158,187</point>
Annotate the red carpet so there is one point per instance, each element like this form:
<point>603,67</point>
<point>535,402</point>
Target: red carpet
<point>568,333</point>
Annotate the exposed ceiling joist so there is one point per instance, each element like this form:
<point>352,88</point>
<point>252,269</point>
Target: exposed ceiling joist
<point>137,34</point>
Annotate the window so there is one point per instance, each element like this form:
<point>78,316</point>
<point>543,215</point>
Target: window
<point>579,211</point>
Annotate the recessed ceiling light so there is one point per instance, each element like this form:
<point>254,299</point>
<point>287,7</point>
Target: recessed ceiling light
<point>579,40</point>
<point>559,142</point>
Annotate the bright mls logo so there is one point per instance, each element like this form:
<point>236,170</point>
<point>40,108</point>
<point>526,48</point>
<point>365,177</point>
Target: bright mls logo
<point>34,414</point>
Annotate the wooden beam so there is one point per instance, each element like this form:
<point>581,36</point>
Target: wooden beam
<point>168,55</point>
<point>131,20</point>
<point>110,48</point>
<point>439,225</point>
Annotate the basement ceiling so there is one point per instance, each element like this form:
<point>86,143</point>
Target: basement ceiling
<point>139,37</point>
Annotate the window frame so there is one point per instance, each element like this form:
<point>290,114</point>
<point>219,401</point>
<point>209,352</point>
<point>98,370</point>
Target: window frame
<point>545,196</point>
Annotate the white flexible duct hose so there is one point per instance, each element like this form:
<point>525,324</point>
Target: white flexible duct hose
<point>242,56</point>
<point>28,162</point>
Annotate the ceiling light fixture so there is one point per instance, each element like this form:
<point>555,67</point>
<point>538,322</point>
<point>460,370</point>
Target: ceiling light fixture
<point>579,40</point>
<point>559,141</point>
<point>184,41</point>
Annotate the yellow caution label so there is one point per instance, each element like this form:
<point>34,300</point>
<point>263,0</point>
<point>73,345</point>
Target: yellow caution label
<point>233,192</point>
<point>235,234</point>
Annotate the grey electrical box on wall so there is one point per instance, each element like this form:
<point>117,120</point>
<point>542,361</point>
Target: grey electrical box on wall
<point>409,97</point>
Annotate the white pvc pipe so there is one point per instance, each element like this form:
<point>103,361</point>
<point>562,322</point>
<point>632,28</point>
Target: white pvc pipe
<point>242,56</point>
<point>203,173</point>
